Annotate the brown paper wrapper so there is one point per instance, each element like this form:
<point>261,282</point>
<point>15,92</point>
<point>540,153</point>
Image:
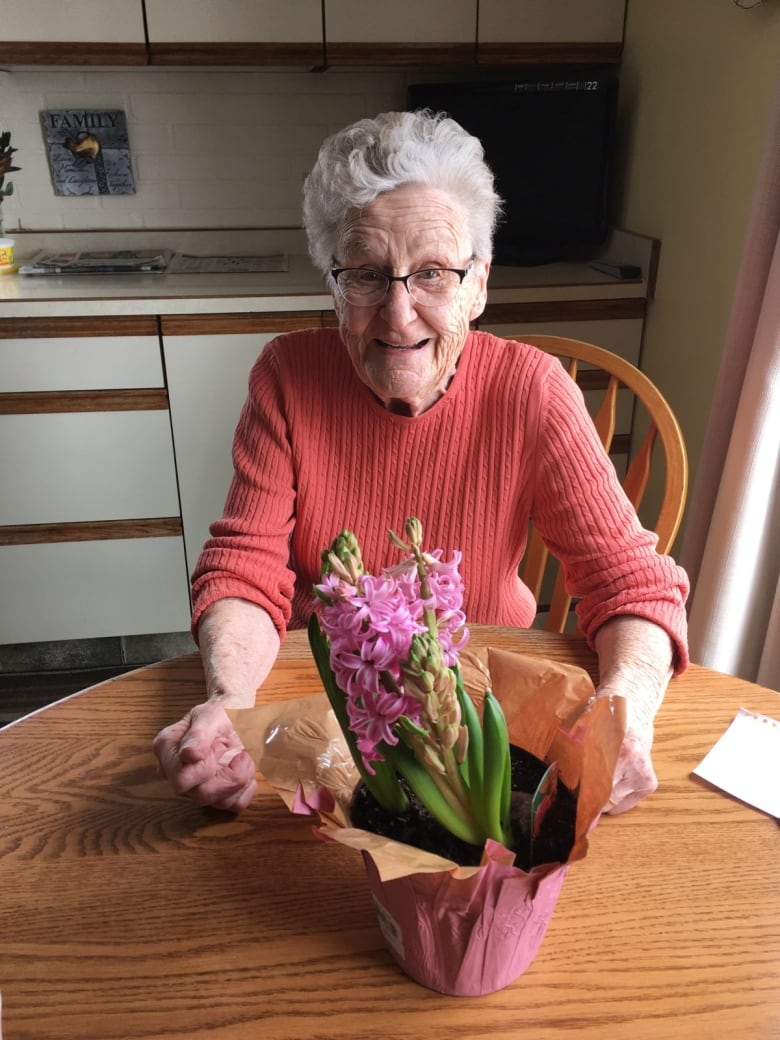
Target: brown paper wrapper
<point>459,930</point>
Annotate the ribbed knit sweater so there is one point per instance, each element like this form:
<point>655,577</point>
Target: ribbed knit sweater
<point>510,441</point>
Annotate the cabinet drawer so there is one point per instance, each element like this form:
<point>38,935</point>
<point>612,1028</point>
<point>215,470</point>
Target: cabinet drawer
<point>76,363</point>
<point>67,467</point>
<point>82,590</point>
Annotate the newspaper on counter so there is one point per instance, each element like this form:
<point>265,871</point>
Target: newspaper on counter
<point>184,263</point>
<point>120,261</point>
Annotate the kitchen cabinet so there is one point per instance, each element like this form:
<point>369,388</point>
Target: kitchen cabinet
<point>207,361</point>
<point>462,32</point>
<point>235,32</point>
<point>406,32</point>
<point>69,467</point>
<point>552,31</point>
<point>309,33</point>
<point>58,591</point>
<point>62,362</point>
<point>78,32</point>
<point>90,529</point>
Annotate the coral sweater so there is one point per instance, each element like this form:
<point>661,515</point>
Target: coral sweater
<point>510,441</point>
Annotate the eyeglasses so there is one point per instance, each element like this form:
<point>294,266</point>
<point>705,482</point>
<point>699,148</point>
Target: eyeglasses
<point>430,287</point>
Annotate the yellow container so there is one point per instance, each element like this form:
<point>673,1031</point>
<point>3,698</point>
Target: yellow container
<point>7,264</point>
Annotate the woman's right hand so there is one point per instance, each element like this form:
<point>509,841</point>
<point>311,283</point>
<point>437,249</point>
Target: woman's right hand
<point>202,755</point>
<point>204,759</point>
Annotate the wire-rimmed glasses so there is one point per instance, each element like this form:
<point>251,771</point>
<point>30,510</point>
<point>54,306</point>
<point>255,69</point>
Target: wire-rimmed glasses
<point>430,286</point>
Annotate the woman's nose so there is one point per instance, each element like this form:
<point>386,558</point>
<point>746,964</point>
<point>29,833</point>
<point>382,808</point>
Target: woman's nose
<point>398,305</point>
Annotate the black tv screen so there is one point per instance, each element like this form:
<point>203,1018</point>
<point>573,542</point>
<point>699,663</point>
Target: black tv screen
<point>549,138</point>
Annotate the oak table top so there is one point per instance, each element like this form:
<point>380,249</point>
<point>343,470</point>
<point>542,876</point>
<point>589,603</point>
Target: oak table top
<point>126,913</point>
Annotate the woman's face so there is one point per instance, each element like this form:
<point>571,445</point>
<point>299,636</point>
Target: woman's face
<point>404,352</point>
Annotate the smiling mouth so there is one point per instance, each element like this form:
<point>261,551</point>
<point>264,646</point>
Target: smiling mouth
<point>403,346</point>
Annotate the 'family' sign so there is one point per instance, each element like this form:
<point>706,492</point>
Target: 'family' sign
<point>89,152</point>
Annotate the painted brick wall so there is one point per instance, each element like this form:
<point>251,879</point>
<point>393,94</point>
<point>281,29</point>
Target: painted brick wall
<point>211,148</point>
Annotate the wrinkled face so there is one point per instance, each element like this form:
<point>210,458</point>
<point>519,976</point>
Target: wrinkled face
<point>404,352</point>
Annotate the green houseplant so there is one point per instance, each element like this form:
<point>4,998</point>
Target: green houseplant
<point>6,189</point>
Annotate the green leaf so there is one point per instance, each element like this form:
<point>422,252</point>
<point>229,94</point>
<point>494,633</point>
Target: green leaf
<point>383,784</point>
<point>471,769</point>
<point>497,769</point>
<point>435,800</point>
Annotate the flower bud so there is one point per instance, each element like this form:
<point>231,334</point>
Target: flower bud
<point>397,541</point>
<point>344,557</point>
<point>449,736</point>
<point>414,531</point>
<point>431,708</point>
<point>462,745</point>
<point>433,760</point>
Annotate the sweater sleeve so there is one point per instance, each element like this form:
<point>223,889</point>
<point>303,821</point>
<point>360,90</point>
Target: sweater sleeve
<point>248,553</point>
<point>581,512</point>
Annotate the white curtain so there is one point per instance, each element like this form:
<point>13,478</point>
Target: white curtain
<point>731,547</point>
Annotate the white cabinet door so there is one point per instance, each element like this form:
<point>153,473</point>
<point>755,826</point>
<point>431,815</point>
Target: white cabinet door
<point>551,21</point>
<point>87,589</point>
<point>72,21</point>
<point>80,363</point>
<point>68,467</point>
<point>234,21</point>
<point>403,21</point>
<point>207,386</point>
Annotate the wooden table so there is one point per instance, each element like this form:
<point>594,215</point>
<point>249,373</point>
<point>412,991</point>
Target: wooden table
<point>127,913</point>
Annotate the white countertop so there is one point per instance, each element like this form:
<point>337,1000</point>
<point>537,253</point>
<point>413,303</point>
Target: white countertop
<point>300,288</point>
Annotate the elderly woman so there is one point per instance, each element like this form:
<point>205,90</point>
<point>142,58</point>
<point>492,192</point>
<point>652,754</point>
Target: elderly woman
<point>404,411</point>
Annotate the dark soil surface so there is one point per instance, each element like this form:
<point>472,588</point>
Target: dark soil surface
<point>417,827</point>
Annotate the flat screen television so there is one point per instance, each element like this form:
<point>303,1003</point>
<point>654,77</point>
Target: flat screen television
<point>549,137</point>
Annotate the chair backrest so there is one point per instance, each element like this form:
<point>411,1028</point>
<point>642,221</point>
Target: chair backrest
<point>607,372</point>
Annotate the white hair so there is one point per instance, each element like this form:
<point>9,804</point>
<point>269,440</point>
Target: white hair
<point>372,156</point>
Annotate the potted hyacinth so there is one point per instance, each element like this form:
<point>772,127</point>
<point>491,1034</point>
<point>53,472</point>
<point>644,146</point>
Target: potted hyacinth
<point>466,824</point>
<point>387,650</point>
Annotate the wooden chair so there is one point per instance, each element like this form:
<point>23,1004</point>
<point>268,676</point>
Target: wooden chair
<point>606,372</point>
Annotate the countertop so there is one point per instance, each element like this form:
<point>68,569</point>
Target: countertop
<point>300,288</point>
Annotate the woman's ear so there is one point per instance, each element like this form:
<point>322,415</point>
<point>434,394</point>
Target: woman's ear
<point>339,303</point>
<point>480,276</point>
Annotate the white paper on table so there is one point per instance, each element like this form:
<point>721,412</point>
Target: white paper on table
<point>745,762</point>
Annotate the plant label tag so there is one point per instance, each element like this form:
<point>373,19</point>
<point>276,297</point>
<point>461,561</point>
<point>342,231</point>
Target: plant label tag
<point>390,929</point>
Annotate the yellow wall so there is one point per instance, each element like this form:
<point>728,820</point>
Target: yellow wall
<point>698,77</point>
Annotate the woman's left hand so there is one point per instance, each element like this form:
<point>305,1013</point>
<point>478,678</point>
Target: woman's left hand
<point>635,662</point>
<point>634,774</point>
